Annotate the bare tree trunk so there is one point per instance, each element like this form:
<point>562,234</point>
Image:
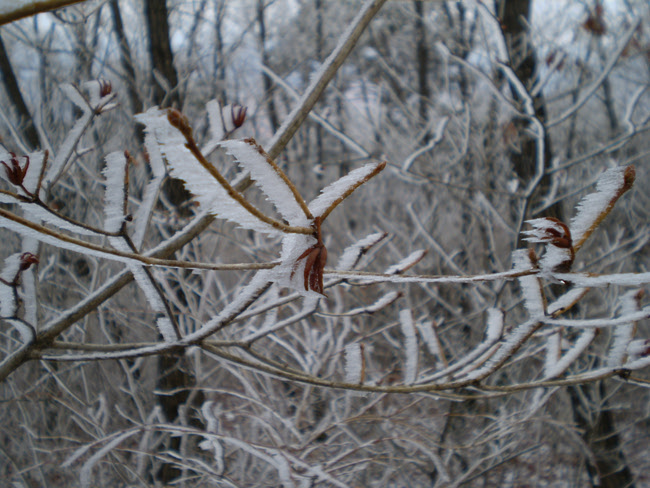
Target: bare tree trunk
<point>422,63</point>
<point>162,61</point>
<point>609,468</point>
<point>25,122</point>
<point>515,15</point>
<point>126,59</point>
<point>174,375</point>
<point>319,57</point>
<point>160,49</point>
<point>597,423</point>
<point>219,57</point>
<point>268,86</point>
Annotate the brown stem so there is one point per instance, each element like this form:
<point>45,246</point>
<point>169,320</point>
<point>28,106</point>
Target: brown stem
<point>180,122</point>
<point>628,181</point>
<point>282,174</point>
<point>349,191</point>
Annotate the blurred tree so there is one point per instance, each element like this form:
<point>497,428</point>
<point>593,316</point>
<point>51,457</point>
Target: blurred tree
<point>261,390</point>
<point>25,123</point>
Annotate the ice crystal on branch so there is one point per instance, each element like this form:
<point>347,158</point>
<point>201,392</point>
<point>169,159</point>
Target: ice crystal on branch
<point>303,251</point>
<point>559,254</point>
<point>410,344</point>
<point>269,178</point>
<point>115,173</point>
<point>562,242</point>
<point>353,363</point>
<point>593,208</point>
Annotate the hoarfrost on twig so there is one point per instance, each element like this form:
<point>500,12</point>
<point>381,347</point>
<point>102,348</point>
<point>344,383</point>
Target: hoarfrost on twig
<point>353,363</point>
<point>410,346</point>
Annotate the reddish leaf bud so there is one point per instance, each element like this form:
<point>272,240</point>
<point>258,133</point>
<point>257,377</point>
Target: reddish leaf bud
<point>560,254</point>
<point>550,229</point>
<point>27,259</point>
<point>238,114</point>
<point>16,174</point>
<point>105,88</point>
<point>179,121</point>
<point>628,177</point>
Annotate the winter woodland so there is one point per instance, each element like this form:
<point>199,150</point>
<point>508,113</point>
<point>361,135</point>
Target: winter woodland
<point>302,243</point>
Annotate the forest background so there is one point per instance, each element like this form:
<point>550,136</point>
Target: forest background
<point>428,351</point>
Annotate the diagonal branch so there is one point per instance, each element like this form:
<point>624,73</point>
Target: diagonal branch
<point>33,7</point>
<point>331,65</point>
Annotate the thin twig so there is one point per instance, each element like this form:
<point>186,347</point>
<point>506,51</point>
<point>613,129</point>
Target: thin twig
<point>181,123</point>
<point>122,255</point>
<point>349,191</point>
<point>330,67</point>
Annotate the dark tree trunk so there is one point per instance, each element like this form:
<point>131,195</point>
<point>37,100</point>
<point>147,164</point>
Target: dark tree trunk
<point>515,15</point>
<point>175,378</point>
<point>596,422</point>
<point>219,55</point>
<point>422,66</point>
<point>174,374</point>
<point>126,59</point>
<point>162,59</point>
<point>267,83</point>
<point>320,45</point>
<point>25,122</point>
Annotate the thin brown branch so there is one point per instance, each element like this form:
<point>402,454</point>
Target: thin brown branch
<point>146,260</point>
<point>180,122</point>
<point>330,67</point>
<point>349,191</point>
<point>33,8</point>
<point>628,181</point>
<point>296,194</point>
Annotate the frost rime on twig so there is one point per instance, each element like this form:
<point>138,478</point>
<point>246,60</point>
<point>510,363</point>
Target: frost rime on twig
<point>353,363</point>
<point>211,196</point>
<point>294,246</point>
<point>531,287</point>
<point>7,300</point>
<point>481,353</point>
<point>553,350</point>
<point>114,201</point>
<point>37,214</point>
<point>268,177</point>
<point>623,334</point>
<point>217,131</point>
<point>379,304</point>
<point>561,365</point>
<point>429,334</point>
<point>145,209</point>
<point>512,342</point>
<point>89,109</point>
<point>85,474</point>
<point>211,443</point>
<point>337,191</point>
<point>30,247</point>
<point>567,300</point>
<point>115,209</point>
<point>140,277</point>
<point>410,345</point>
<point>559,253</point>
<point>352,254</point>
<point>36,161</point>
<point>593,208</point>
<point>74,135</point>
<point>407,263</point>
